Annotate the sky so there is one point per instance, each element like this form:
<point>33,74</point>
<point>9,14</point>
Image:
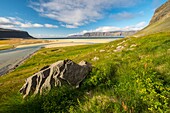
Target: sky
<point>59,18</point>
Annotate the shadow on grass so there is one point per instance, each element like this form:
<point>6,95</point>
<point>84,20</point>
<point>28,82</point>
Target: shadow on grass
<point>62,98</point>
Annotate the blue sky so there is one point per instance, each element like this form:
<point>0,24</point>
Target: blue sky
<point>55,18</point>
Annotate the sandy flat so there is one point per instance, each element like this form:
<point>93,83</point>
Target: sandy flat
<point>9,59</point>
<point>73,42</point>
<point>68,42</point>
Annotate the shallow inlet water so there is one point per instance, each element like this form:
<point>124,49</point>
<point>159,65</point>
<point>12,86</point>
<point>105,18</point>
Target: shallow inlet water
<point>9,59</point>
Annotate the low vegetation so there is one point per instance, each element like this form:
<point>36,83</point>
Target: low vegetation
<point>5,47</point>
<point>12,43</point>
<point>129,75</point>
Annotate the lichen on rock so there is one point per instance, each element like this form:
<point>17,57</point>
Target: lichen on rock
<point>57,74</point>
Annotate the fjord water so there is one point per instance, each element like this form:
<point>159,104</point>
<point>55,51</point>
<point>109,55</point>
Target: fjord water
<point>9,59</point>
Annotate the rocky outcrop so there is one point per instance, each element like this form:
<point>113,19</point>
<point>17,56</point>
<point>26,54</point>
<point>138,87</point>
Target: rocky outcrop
<point>57,74</point>
<point>159,23</point>
<point>161,13</point>
<point>8,33</point>
<point>111,33</point>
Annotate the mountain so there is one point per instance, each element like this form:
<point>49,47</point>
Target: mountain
<point>160,21</point>
<point>9,33</point>
<point>102,34</point>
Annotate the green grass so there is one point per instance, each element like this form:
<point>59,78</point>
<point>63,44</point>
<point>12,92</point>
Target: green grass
<point>5,47</point>
<point>137,79</point>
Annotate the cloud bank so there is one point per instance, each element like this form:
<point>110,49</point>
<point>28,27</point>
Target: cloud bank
<point>75,13</point>
<point>17,23</point>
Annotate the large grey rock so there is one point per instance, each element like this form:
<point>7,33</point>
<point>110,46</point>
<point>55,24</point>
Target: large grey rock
<point>57,74</point>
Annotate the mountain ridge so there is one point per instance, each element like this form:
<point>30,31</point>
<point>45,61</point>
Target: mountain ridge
<point>160,21</point>
<point>109,33</point>
<point>161,13</point>
<point>10,33</point>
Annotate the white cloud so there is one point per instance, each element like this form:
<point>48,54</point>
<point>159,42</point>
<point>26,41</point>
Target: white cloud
<point>50,26</point>
<point>126,15</point>
<point>47,35</point>
<point>123,16</point>
<point>30,25</point>
<point>4,21</point>
<point>17,23</point>
<point>69,26</point>
<point>77,12</point>
<point>138,26</point>
<point>7,26</point>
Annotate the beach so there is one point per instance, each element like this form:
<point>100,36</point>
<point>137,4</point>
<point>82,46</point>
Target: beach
<point>68,42</point>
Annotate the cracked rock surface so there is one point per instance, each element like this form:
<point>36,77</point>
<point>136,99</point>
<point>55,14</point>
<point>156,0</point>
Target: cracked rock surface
<point>57,74</point>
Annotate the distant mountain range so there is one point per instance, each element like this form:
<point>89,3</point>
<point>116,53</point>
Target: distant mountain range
<point>106,34</point>
<point>160,22</point>
<point>9,33</point>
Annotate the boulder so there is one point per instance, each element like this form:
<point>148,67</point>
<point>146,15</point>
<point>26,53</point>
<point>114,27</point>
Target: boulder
<point>57,74</point>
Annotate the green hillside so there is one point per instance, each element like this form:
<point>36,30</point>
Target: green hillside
<point>133,79</point>
<point>129,75</point>
<point>160,21</point>
<point>160,26</point>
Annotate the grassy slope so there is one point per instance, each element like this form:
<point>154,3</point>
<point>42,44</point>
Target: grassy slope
<point>160,26</point>
<point>134,80</point>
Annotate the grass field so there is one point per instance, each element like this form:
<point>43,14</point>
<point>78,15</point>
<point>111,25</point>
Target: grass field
<point>5,47</point>
<point>130,75</point>
<point>12,43</point>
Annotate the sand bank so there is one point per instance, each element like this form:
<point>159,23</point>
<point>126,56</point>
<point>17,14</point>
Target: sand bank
<point>68,42</point>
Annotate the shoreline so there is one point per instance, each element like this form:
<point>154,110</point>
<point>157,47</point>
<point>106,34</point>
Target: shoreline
<point>51,44</point>
<point>17,64</point>
<point>69,42</point>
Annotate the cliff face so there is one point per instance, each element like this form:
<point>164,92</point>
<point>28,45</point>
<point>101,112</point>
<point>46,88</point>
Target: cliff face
<point>160,22</point>
<point>161,13</point>
<point>103,34</point>
<point>113,33</point>
<point>8,33</point>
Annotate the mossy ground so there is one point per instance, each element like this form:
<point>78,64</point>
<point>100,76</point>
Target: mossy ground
<point>136,79</point>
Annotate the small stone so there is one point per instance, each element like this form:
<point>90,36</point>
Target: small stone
<point>120,48</point>
<point>121,42</point>
<point>102,51</point>
<point>115,50</point>
<point>95,59</point>
<point>133,45</point>
<point>130,49</point>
